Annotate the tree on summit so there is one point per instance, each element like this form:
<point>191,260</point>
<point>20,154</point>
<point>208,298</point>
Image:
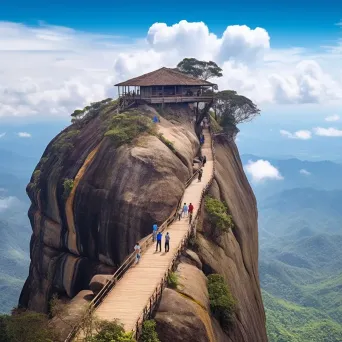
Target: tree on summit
<point>199,69</point>
<point>233,109</point>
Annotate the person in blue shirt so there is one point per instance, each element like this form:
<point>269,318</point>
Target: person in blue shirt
<point>154,232</point>
<point>159,240</point>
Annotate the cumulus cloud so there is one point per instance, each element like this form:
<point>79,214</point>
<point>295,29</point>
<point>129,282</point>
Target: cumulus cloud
<point>328,132</point>
<point>332,118</point>
<point>24,135</point>
<point>304,172</point>
<point>65,69</point>
<point>2,134</point>
<point>8,202</point>
<point>302,135</point>
<point>262,170</point>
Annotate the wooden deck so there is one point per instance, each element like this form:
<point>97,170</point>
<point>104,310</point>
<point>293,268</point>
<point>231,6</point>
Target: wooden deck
<point>128,298</point>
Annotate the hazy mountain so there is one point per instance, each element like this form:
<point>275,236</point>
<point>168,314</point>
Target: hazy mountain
<point>300,232</point>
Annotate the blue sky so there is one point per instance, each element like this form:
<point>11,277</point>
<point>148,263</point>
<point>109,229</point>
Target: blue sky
<point>288,22</point>
<point>286,56</point>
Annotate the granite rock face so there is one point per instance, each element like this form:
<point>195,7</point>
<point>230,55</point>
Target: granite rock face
<point>81,233</point>
<point>117,194</point>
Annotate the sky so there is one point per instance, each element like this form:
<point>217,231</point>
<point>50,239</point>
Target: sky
<point>284,55</point>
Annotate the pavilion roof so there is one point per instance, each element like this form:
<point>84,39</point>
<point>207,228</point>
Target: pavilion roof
<point>165,77</point>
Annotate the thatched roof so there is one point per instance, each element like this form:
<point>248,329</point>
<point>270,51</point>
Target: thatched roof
<point>164,77</point>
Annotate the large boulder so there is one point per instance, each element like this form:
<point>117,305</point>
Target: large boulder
<point>92,201</point>
<point>98,282</point>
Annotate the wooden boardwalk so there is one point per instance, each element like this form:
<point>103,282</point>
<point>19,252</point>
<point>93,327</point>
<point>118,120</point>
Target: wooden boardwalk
<point>126,301</point>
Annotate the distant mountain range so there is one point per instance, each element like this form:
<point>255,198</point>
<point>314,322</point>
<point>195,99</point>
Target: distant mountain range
<point>300,262</point>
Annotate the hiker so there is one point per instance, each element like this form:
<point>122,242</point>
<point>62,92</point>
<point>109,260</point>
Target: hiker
<point>185,209</point>
<point>156,119</point>
<point>154,232</point>
<point>137,250</point>
<point>200,172</point>
<point>159,240</point>
<point>180,211</point>
<point>204,160</point>
<point>191,210</point>
<point>167,242</point>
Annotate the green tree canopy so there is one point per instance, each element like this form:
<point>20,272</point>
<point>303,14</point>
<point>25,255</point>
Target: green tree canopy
<point>233,108</point>
<point>199,69</point>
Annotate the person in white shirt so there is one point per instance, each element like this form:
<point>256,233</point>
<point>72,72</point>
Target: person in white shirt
<point>137,250</point>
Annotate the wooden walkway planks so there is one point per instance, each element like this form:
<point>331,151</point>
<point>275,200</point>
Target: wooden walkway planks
<point>128,298</point>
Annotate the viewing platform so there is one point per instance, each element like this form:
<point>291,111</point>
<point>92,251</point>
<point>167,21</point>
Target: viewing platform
<point>166,85</point>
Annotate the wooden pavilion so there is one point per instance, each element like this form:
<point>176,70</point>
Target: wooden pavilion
<point>166,85</point>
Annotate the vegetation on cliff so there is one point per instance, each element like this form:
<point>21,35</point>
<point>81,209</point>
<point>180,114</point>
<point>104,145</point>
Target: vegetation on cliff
<point>149,333</point>
<point>218,215</point>
<point>127,126</point>
<point>222,303</point>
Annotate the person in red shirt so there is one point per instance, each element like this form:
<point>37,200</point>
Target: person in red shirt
<point>190,210</point>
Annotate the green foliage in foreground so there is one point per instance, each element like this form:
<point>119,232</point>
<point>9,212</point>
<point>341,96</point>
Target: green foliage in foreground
<point>288,322</point>
<point>222,303</point>
<point>218,214</point>
<point>149,333</point>
<point>26,327</point>
<point>172,280</point>
<point>127,126</point>
<point>111,332</point>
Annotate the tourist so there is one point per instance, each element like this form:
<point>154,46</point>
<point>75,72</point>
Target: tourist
<point>190,218</point>
<point>180,211</point>
<point>137,250</point>
<point>205,120</point>
<point>191,210</point>
<point>154,232</point>
<point>185,210</point>
<point>200,172</point>
<point>204,160</point>
<point>159,241</point>
<point>167,242</point>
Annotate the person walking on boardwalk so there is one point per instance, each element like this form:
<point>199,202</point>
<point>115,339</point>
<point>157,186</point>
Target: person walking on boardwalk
<point>200,173</point>
<point>167,242</point>
<point>180,211</point>
<point>154,232</point>
<point>191,210</point>
<point>159,241</point>
<point>204,160</point>
<point>185,210</point>
<point>137,250</point>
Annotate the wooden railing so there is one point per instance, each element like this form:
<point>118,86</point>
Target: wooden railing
<point>129,261</point>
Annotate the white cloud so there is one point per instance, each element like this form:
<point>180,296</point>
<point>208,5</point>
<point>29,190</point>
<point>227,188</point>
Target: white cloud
<point>262,170</point>
<point>65,69</point>
<point>304,172</point>
<point>302,134</point>
<point>328,132</point>
<point>24,135</point>
<point>7,202</point>
<point>332,118</point>
<point>2,134</point>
